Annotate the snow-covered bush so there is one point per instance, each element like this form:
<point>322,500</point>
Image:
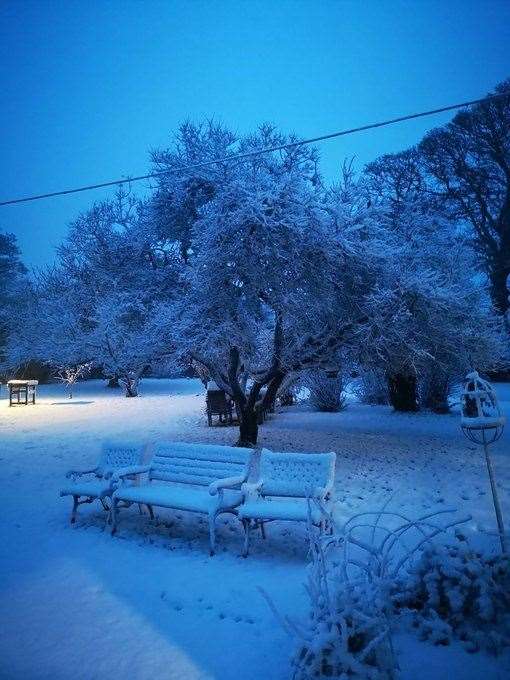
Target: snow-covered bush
<point>352,579</point>
<point>326,392</point>
<point>348,634</point>
<point>456,591</point>
<point>372,388</point>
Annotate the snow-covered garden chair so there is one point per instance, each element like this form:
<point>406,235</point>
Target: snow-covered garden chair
<point>204,478</point>
<point>96,483</point>
<point>287,488</point>
<point>218,404</point>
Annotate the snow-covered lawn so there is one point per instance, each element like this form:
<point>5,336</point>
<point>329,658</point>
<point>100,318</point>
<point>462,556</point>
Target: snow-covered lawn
<point>151,603</point>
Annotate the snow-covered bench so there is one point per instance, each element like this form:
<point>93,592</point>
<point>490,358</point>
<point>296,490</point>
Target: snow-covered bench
<point>97,485</point>
<point>202,478</point>
<point>287,485</point>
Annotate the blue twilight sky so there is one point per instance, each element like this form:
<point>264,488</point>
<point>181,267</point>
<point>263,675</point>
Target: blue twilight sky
<point>86,88</point>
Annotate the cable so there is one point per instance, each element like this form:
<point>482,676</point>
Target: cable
<point>257,152</point>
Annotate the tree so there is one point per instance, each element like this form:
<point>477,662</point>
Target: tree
<point>52,328</point>
<point>467,167</point>
<point>436,289</point>
<point>271,274</point>
<point>69,375</point>
<point>100,301</point>
<point>429,316</point>
<point>13,285</point>
<point>126,338</point>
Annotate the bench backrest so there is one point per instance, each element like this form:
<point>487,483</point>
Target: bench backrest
<point>216,401</point>
<point>198,463</point>
<point>295,474</point>
<point>120,454</point>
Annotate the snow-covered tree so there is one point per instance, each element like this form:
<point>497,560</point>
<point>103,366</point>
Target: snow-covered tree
<point>126,338</point>
<point>467,166</point>
<point>52,326</point>
<point>101,301</point>
<point>13,286</point>
<point>274,268</point>
<point>432,314</point>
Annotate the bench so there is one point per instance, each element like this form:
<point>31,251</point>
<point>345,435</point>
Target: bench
<point>286,485</point>
<point>22,391</point>
<point>97,484</point>
<point>203,478</point>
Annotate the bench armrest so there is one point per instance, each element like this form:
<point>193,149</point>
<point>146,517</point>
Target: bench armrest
<point>323,493</point>
<point>72,474</point>
<point>122,473</point>
<point>227,483</point>
<point>251,488</point>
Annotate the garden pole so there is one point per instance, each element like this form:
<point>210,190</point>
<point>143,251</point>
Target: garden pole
<point>497,507</point>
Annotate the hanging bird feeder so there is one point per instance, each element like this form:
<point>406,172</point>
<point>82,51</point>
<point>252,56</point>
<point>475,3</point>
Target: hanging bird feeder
<point>482,423</point>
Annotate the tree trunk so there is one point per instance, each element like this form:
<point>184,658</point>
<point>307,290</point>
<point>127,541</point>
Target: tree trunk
<point>403,392</point>
<point>248,427</point>
<point>499,269</point>
<point>287,398</point>
<point>435,393</point>
<point>131,383</point>
<point>132,389</point>
<point>499,262</point>
<point>272,391</point>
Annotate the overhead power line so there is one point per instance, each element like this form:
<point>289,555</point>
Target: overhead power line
<point>256,152</point>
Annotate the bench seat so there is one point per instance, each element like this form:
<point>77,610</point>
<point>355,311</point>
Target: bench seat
<point>194,499</point>
<point>93,489</point>
<point>279,509</point>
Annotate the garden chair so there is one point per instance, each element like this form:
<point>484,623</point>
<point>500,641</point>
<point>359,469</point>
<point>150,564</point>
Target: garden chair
<point>86,486</point>
<point>218,404</point>
<point>290,486</point>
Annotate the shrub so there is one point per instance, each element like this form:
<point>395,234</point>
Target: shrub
<point>457,592</point>
<point>348,634</point>
<point>354,576</point>
<point>326,393</point>
<point>372,388</point>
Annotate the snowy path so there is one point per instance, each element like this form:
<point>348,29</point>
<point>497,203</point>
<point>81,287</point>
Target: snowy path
<point>150,603</point>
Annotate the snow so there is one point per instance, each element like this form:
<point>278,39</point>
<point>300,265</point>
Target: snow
<point>150,602</point>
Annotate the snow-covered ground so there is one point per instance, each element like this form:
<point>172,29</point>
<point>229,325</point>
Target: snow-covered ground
<point>151,603</point>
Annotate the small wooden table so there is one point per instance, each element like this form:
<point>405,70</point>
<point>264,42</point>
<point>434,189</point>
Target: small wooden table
<point>22,391</point>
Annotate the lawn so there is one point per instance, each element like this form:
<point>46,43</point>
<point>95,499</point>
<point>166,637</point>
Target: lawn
<point>150,602</point>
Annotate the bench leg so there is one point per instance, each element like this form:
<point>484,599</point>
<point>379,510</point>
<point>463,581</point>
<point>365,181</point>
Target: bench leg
<point>75,508</point>
<point>246,527</point>
<point>262,530</point>
<point>151,512</point>
<point>114,515</point>
<point>212,534</point>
